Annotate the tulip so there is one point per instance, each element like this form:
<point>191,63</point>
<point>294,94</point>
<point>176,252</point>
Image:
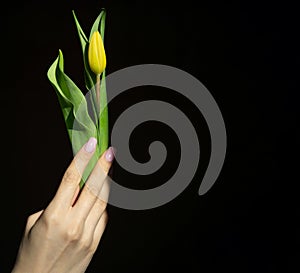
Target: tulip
<point>96,54</point>
<point>97,61</point>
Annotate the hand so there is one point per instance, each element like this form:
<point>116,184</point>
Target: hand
<point>63,237</point>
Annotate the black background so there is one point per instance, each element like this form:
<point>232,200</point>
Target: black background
<point>245,52</point>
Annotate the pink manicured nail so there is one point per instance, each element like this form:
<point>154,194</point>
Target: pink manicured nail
<point>90,146</point>
<point>109,154</point>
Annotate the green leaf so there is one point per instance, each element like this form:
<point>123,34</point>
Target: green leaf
<point>83,38</point>
<point>97,24</point>
<point>102,26</point>
<point>103,117</point>
<point>89,76</point>
<point>79,125</point>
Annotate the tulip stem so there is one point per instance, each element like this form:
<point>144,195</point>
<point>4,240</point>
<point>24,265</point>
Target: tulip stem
<point>98,92</point>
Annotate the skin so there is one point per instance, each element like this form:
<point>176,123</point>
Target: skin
<point>64,236</point>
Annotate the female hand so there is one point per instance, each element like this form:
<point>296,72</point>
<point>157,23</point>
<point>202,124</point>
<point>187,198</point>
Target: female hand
<point>63,237</point>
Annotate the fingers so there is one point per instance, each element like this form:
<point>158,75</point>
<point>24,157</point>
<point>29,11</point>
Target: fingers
<point>70,183</point>
<point>93,187</point>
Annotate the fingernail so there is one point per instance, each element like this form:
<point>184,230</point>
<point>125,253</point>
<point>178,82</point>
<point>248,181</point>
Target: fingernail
<point>90,146</point>
<point>110,154</point>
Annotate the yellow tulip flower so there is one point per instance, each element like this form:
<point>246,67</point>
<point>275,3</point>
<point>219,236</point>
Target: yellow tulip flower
<point>96,54</point>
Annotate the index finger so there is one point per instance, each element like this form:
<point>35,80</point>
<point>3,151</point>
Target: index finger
<point>72,176</point>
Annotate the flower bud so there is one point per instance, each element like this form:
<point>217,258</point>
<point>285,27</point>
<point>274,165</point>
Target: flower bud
<point>96,54</point>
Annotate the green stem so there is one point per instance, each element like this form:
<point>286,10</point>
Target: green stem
<point>98,92</point>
